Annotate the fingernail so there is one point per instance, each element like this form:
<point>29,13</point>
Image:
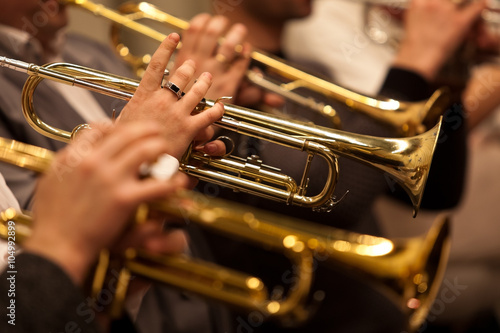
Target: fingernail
<point>210,148</point>
<point>208,75</point>
<point>174,36</point>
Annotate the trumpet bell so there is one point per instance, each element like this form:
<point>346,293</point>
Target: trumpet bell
<point>408,271</point>
<point>406,160</point>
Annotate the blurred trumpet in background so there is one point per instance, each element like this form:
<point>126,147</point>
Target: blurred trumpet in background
<point>406,118</point>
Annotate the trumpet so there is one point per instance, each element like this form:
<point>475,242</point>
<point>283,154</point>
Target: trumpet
<point>408,271</point>
<point>406,160</point>
<point>406,118</point>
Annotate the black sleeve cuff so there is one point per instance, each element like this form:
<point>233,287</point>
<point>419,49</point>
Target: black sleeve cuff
<point>405,85</point>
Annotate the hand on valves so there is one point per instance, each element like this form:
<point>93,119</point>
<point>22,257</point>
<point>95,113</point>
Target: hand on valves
<point>103,187</point>
<point>221,49</point>
<point>153,102</point>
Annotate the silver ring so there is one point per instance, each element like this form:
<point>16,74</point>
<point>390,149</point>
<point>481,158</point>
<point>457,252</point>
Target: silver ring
<point>166,73</point>
<point>174,88</point>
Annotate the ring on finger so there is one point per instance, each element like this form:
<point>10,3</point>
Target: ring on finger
<point>166,73</point>
<point>174,88</point>
<point>221,58</point>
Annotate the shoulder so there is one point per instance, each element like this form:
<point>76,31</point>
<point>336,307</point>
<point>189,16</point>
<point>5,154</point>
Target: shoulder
<point>88,52</point>
<point>76,42</point>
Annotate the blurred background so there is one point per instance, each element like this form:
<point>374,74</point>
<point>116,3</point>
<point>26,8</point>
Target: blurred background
<point>87,24</point>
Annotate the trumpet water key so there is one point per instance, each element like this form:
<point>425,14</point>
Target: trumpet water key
<point>407,271</point>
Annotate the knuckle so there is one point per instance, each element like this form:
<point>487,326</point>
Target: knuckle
<point>212,31</point>
<point>155,66</point>
<point>184,74</point>
<point>216,26</point>
<point>122,198</point>
<point>198,23</point>
<point>222,20</point>
<point>88,165</point>
<point>106,177</point>
<point>199,89</point>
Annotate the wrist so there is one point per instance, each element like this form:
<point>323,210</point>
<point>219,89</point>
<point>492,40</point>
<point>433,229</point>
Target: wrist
<point>423,61</point>
<point>74,260</point>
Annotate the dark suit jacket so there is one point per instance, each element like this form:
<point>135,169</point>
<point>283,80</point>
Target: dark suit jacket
<point>42,299</point>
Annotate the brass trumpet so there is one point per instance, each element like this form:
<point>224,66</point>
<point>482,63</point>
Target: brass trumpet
<point>406,160</point>
<point>408,271</point>
<point>406,118</point>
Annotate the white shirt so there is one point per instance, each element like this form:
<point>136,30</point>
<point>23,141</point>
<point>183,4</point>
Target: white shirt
<point>334,38</point>
<point>7,200</point>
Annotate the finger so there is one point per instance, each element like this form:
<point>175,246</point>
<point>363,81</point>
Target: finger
<point>147,189</point>
<point>203,135</point>
<point>136,236</point>
<point>102,143</point>
<point>94,132</point>
<point>235,37</point>
<point>192,36</point>
<point>192,182</point>
<point>183,75</point>
<point>199,89</point>
<point>125,135</point>
<point>203,120</point>
<point>249,95</point>
<point>142,151</point>
<point>154,73</point>
<point>473,11</point>
<point>213,148</point>
<point>273,100</point>
<point>174,241</point>
<point>240,64</point>
<point>213,32</point>
<point>180,179</point>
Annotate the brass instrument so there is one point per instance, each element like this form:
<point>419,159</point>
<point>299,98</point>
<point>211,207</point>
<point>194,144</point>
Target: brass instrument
<point>408,271</point>
<point>407,160</point>
<point>407,118</point>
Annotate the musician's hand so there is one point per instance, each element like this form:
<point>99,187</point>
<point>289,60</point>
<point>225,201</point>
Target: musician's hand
<point>153,102</point>
<point>433,31</point>
<point>212,44</point>
<point>86,199</point>
<point>251,96</point>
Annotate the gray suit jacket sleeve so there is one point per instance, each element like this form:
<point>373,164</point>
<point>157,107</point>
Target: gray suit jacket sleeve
<point>42,299</point>
<point>52,108</point>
